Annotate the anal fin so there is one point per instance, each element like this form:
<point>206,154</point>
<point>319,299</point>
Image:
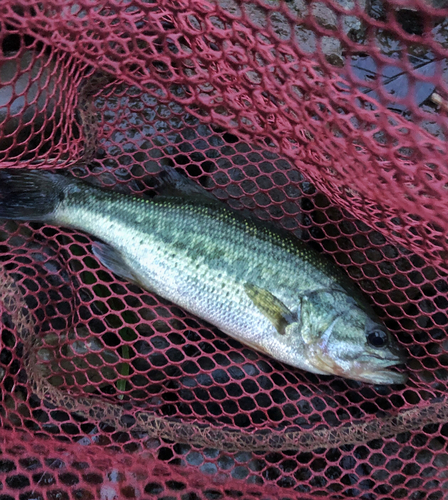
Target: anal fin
<point>113,260</point>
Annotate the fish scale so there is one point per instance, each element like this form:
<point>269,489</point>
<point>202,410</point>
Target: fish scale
<point>256,283</point>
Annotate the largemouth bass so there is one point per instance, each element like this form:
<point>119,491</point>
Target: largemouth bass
<point>256,283</point>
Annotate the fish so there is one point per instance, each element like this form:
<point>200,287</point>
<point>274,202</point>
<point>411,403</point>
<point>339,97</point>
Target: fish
<point>252,280</point>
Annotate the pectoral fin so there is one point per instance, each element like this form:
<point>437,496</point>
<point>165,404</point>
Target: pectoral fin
<point>113,260</point>
<point>273,308</point>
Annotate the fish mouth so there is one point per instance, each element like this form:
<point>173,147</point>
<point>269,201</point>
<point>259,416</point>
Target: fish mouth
<point>374,371</point>
<point>371,370</point>
<point>391,358</point>
<point>385,377</point>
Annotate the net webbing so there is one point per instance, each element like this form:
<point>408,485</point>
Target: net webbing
<point>328,118</point>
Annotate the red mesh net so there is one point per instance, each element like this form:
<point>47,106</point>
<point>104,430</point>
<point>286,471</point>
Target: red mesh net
<point>328,118</point>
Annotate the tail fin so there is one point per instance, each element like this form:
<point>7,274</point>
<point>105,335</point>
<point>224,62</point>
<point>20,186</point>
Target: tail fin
<point>31,195</point>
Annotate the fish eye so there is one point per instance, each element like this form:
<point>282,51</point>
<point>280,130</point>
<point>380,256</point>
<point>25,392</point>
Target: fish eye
<point>378,339</point>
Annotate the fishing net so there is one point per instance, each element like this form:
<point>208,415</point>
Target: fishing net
<point>328,118</point>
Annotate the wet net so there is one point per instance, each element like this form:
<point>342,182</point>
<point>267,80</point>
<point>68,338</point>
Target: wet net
<point>328,118</point>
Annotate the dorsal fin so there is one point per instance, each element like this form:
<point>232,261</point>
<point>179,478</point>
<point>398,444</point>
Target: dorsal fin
<point>171,183</point>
